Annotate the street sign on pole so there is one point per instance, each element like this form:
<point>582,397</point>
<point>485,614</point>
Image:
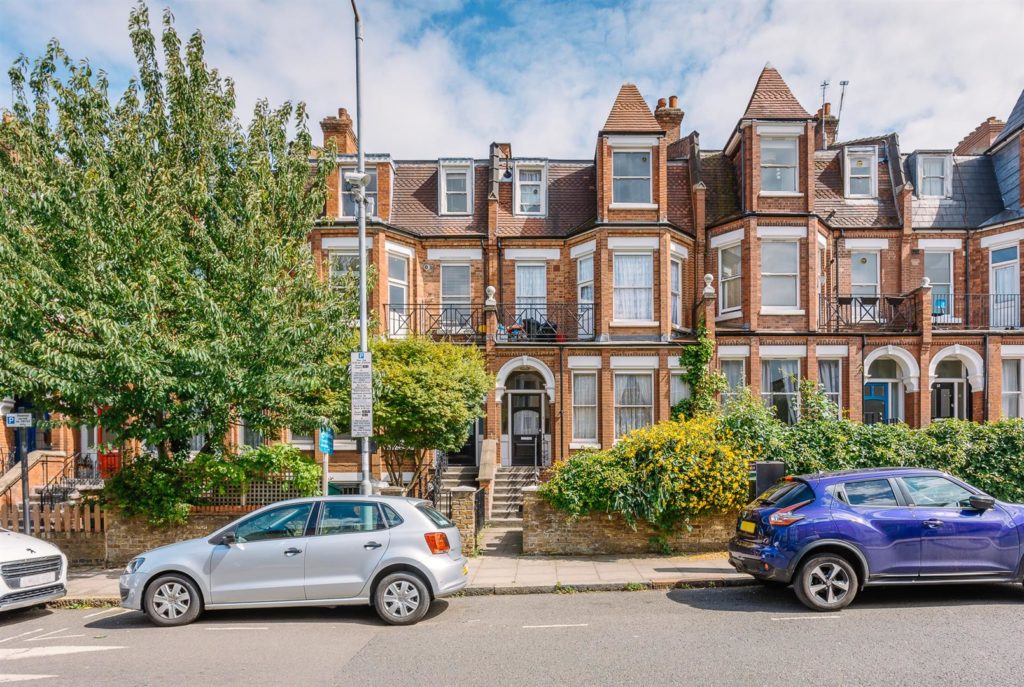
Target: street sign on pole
<point>362,394</point>
<point>326,450</point>
<point>19,419</point>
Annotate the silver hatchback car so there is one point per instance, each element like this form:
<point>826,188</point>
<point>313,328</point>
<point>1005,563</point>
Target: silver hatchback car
<point>395,553</point>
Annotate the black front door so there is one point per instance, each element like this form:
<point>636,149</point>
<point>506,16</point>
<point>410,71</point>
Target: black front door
<point>467,454</point>
<point>526,428</point>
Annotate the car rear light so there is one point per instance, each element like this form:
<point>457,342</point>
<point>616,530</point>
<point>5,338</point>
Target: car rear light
<point>437,542</point>
<point>786,516</point>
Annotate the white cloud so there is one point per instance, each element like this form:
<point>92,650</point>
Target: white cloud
<point>440,81</point>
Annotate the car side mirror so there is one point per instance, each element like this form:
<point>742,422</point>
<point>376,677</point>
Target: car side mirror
<point>228,538</point>
<point>979,502</point>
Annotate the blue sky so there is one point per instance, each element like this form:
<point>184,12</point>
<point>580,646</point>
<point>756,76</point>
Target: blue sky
<point>446,77</point>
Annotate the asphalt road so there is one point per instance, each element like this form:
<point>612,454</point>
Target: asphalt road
<point>740,636</point>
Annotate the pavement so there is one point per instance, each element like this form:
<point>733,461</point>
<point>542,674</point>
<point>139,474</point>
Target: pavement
<point>511,574</point>
<point>747,636</point>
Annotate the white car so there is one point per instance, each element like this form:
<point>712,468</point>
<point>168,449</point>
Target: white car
<point>32,571</point>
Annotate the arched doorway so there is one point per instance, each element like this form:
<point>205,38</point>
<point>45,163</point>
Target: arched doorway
<point>955,373</point>
<point>526,420</point>
<point>890,372</point>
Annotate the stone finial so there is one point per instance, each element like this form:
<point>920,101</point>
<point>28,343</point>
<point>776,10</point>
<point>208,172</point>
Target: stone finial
<point>490,302</point>
<point>926,283</point>
<point>709,290</point>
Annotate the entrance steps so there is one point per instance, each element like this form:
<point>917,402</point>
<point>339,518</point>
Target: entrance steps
<point>459,476</point>
<point>507,499</point>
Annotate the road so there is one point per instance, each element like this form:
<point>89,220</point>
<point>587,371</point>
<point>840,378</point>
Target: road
<point>739,636</point>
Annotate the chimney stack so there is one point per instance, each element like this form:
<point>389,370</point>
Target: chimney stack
<point>339,129</point>
<point>825,123</point>
<point>981,139</point>
<point>669,118</point>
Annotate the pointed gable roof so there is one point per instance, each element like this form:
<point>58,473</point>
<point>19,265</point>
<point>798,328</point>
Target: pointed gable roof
<point>630,114</point>
<point>1013,122</point>
<point>772,98</point>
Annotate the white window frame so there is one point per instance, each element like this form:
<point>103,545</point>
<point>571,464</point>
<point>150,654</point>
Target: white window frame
<point>649,321</point>
<point>340,252</point>
<point>371,196</point>
<point>878,273</point>
<point>947,185</point>
<point>536,304</point>
<point>586,314</point>
<point>839,392</point>
<point>681,375</point>
<point>795,191</point>
<point>467,303</point>
<point>395,326</point>
<point>766,396</point>
<point>871,153</point>
<point>577,441</point>
<point>517,192</point>
<point>674,294</point>
<point>949,314</point>
<point>463,167</point>
<point>615,395</point>
<point>727,393</point>
<point>1004,311</point>
<point>722,309</point>
<point>650,176</point>
<point>789,308</point>
<point>1020,389</point>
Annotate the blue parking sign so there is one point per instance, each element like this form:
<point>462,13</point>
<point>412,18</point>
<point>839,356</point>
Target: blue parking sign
<point>326,440</point>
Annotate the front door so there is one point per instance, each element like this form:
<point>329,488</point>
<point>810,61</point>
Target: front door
<point>350,541</point>
<point>957,539</point>
<point>527,426</point>
<point>876,403</point>
<point>949,400</point>
<point>467,454</point>
<point>267,561</point>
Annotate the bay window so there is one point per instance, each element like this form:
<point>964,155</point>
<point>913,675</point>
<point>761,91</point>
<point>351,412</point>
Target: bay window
<point>730,270</point>
<point>633,286</point>
<point>676,289</point>
<point>634,401</point>
<point>341,262</point>
<point>584,407</point>
<point>780,274</point>
<point>631,177</point>
<point>734,371</point>
<point>1012,406</point>
<point>830,380</point>
<point>780,382</point>
<point>779,157</point>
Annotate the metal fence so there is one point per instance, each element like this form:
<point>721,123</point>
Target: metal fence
<point>545,322</point>
<point>886,312</point>
<point>976,311</point>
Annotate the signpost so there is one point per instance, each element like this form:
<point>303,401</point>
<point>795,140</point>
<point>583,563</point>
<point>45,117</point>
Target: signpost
<point>22,422</point>
<point>326,451</point>
<point>362,394</point>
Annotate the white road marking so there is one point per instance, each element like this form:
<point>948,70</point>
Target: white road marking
<point>105,611</point>
<point>214,629</point>
<point>45,651</point>
<point>810,617</point>
<point>41,638</point>
<point>23,678</point>
<point>537,627</point>
<point>30,632</point>
<point>47,634</point>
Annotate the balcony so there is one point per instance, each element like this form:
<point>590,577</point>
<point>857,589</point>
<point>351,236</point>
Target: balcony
<point>453,322</point>
<point>976,311</point>
<point>884,313</point>
<point>545,323</point>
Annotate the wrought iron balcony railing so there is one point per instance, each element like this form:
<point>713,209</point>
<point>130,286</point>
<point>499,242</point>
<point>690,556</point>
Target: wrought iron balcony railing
<point>456,322</point>
<point>976,311</point>
<point>545,322</point>
<point>887,313</point>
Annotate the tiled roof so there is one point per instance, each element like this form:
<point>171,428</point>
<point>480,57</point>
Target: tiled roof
<point>679,196</point>
<point>630,113</point>
<point>415,202</point>
<point>975,196</point>
<point>1014,122</point>
<point>719,175</point>
<point>837,210</point>
<point>772,98</point>
<point>571,203</point>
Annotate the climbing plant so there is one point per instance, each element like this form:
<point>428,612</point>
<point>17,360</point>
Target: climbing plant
<point>705,384</point>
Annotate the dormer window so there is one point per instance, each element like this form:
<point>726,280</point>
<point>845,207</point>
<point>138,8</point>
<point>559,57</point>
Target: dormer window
<point>631,177</point>
<point>861,172</point>
<point>456,192</point>
<point>779,155</point>
<point>348,203</point>
<point>933,176</point>
<point>530,196</point>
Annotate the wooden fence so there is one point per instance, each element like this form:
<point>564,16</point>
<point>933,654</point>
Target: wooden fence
<point>46,519</point>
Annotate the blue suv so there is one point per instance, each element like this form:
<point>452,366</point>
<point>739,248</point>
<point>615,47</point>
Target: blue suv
<point>831,534</point>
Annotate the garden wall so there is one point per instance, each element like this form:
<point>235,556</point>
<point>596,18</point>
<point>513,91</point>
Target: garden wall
<point>548,531</point>
<point>128,537</point>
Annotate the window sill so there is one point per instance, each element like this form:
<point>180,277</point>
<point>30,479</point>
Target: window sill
<point>780,194</point>
<point>863,200</point>
<point>633,206</point>
<point>576,445</point>
<point>634,323</point>
<point>303,445</point>
<point>729,316</point>
<point>455,214</point>
<point>783,311</point>
<point>530,214</point>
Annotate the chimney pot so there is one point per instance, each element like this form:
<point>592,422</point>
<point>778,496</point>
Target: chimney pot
<point>828,109</point>
<point>661,103</point>
<point>673,101</point>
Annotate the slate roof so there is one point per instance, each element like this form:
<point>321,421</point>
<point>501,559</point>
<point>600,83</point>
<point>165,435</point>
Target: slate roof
<point>1013,123</point>
<point>719,175</point>
<point>836,209</point>
<point>772,98</point>
<point>571,203</point>
<point>414,204</point>
<point>630,114</point>
<point>975,196</point>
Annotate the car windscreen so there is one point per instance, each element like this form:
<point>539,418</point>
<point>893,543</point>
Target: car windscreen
<point>435,516</point>
<point>785,493</point>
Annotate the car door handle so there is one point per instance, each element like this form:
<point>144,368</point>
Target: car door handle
<point>933,523</point>
<point>372,545</point>
<point>292,551</point>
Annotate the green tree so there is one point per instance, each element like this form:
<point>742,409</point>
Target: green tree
<point>426,394</point>
<point>154,262</point>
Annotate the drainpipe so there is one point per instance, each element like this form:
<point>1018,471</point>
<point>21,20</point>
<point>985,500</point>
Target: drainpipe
<point>984,369</point>
<point>483,254</point>
<point>864,376</point>
<point>967,285</point>
<point>501,282</point>
<point>561,400</point>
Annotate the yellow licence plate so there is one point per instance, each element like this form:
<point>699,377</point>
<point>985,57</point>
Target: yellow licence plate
<point>747,526</point>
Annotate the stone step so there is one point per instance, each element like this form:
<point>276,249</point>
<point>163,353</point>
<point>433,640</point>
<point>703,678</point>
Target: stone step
<point>505,522</point>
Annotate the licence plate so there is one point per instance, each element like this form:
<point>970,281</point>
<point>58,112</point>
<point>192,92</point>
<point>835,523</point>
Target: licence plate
<point>748,527</point>
<point>33,580</point>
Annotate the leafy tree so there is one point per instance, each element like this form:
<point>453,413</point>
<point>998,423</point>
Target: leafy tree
<point>426,394</point>
<point>154,262</point>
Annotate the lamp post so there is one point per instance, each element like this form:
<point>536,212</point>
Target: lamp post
<point>359,181</point>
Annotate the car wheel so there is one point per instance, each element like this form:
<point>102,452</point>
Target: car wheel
<point>401,599</point>
<point>172,600</point>
<point>826,583</point>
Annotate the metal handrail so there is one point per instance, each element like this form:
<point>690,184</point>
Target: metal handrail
<point>883,312</point>
<point>981,311</point>
<point>545,322</point>
<point>454,322</point>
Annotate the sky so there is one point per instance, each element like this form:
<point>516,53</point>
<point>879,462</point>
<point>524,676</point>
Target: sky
<point>444,78</point>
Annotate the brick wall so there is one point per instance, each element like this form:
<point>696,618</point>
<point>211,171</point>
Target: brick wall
<point>128,537</point>
<point>548,531</point>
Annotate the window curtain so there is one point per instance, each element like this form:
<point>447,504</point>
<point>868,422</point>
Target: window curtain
<point>677,293</point>
<point>634,397</point>
<point>1011,388</point>
<point>526,422</point>
<point>529,190</point>
<point>828,376</point>
<point>531,291</point>
<point>679,389</point>
<point>779,379</point>
<point>584,407</point>
<point>733,370</point>
<point>634,285</point>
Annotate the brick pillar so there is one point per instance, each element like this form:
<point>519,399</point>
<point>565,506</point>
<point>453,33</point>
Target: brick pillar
<point>994,383</point>
<point>811,289</point>
<point>854,382</point>
<point>663,266</point>
<point>464,517</point>
<point>530,523</point>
